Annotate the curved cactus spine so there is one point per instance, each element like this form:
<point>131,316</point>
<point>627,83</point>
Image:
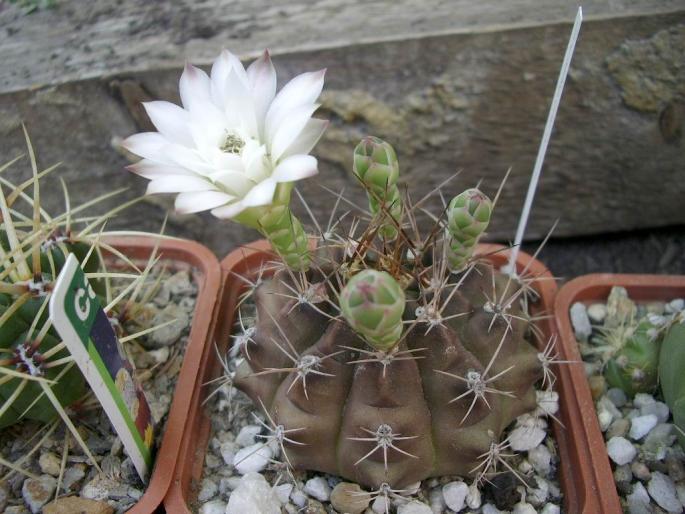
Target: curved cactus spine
<point>285,233</point>
<point>671,375</point>
<point>633,367</point>
<point>468,216</point>
<point>376,166</point>
<point>373,303</point>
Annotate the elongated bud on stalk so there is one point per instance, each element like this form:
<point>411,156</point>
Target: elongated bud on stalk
<point>468,215</point>
<point>375,163</point>
<point>373,302</point>
<point>287,236</point>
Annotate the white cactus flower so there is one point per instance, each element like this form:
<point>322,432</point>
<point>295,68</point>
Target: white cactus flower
<point>234,140</point>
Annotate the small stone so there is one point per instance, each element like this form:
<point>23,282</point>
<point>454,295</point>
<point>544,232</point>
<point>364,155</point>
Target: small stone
<point>641,426</point>
<point>227,451</point>
<point>455,494</point>
<point>598,386</point>
<point>675,306</point>
<point>659,439</point>
<point>283,492</point>
<point>662,489</point>
<point>529,433</point>
<point>246,436</point>
<point>550,508</point>
<point>213,507</point>
<point>177,321</point>
<point>380,505</point>
<point>641,400</point>
<point>620,450</point>
<point>38,491</point>
<point>617,397</point>
<point>4,496</point>
<point>525,467</point>
<point>315,507</point>
<point>620,308</point>
<point>580,322</point>
<point>16,509</point>
<point>659,409</point>
<point>675,467</point>
<point>160,356</point>
<point>523,508</point>
<point>597,312</point>
<point>473,499</point>
<point>101,487</point>
<point>489,508</point>
<point>254,494</point>
<point>680,492</point>
<point>298,498</point>
<point>348,497</point>
<point>618,428</point>
<point>640,471</point>
<point>50,464</point>
<point>548,403</point>
<point>623,475</point>
<point>75,504</point>
<point>414,507</point>
<point>208,490</point>
<point>318,488</point>
<point>541,459</point>
<point>180,283</point>
<point>72,475</point>
<point>502,489</point>
<point>537,496</point>
<point>437,501</point>
<point>252,459</point>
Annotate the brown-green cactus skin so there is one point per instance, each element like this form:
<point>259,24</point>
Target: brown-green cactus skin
<point>375,418</point>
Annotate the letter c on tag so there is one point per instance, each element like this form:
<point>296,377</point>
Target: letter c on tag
<point>81,312</point>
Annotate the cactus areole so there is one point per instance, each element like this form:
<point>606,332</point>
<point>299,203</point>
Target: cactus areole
<point>401,366</point>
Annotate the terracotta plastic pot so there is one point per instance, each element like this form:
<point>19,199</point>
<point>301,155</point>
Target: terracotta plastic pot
<point>181,254</point>
<point>579,483</point>
<point>590,289</point>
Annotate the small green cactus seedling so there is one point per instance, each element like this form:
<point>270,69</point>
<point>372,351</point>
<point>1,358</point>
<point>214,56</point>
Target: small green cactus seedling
<point>633,365</point>
<point>672,375</point>
<point>396,356</point>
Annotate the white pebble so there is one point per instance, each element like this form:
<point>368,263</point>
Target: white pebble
<point>550,508</point>
<point>580,321</point>
<point>253,458</point>
<point>473,499</point>
<point>254,494</point>
<point>227,450</point>
<point>659,409</point>
<point>318,488</point>
<point>380,505</point>
<point>674,306</point>
<point>489,508</point>
<point>298,498</point>
<point>246,436</point>
<point>541,459</point>
<point>620,450</point>
<point>548,402</point>
<point>455,495</point>
<point>529,433</point>
<point>662,489</point>
<point>638,500</point>
<point>597,312</point>
<point>208,490</point>
<point>524,508</point>
<point>414,507</point>
<point>617,396</point>
<point>641,425</point>
<point>642,399</point>
<point>538,495</point>
<point>283,492</point>
<point>213,507</point>
<point>437,501</point>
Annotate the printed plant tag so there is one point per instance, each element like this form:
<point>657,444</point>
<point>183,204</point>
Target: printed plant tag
<point>82,324</point>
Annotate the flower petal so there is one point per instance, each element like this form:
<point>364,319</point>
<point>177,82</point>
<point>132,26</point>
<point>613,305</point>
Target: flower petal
<point>178,184</point>
<point>152,170</point>
<point>308,138</point>
<point>221,69</point>
<point>147,145</point>
<point>189,159</point>
<point>261,194</point>
<point>171,121</point>
<point>239,107</point>
<point>262,77</point>
<point>285,133</point>
<point>194,87</point>
<point>187,203</point>
<point>229,211</point>
<point>295,167</point>
<point>302,90</point>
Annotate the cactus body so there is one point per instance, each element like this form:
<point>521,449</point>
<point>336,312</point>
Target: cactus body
<point>633,367</point>
<point>672,375</point>
<point>468,215</point>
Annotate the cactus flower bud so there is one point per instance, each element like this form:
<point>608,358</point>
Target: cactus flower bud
<point>468,215</point>
<point>375,164</point>
<point>373,302</point>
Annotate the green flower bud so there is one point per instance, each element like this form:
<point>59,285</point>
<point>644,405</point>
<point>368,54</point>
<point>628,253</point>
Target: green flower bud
<point>287,236</point>
<point>375,164</point>
<point>468,215</point>
<point>373,302</point>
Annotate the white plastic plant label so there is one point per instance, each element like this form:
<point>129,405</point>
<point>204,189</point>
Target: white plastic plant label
<point>83,325</point>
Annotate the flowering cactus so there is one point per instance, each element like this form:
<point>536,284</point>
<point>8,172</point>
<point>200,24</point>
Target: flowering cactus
<point>381,365</point>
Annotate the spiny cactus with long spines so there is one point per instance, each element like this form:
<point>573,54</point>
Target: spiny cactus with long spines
<point>395,355</point>
<point>39,380</point>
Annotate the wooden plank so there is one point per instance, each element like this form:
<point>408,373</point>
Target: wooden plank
<point>475,102</point>
<point>88,39</point>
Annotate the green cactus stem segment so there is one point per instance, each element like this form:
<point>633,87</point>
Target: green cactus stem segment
<point>287,236</point>
<point>373,302</point>
<point>376,166</point>
<point>468,216</point>
<point>672,377</point>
